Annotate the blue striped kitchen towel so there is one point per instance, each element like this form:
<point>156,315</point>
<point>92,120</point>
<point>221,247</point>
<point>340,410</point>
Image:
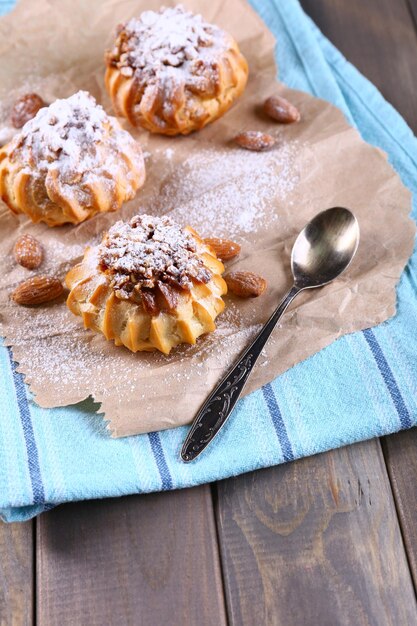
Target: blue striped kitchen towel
<point>49,456</point>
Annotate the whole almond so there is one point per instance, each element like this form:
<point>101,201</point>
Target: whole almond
<point>37,290</point>
<point>245,284</point>
<point>255,140</point>
<point>28,252</point>
<point>281,110</point>
<point>25,108</point>
<point>224,248</point>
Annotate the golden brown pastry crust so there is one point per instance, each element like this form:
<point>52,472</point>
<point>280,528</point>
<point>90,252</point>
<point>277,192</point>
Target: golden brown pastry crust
<point>130,323</point>
<point>70,162</point>
<point>192,79</point>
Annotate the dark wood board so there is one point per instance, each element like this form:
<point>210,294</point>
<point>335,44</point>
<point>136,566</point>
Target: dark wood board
<point>315,542</point>
<point>139,561</point>
<point>379,37</point>
<point>412,6</point>
<point>16,574</point>
<point>401,458</point>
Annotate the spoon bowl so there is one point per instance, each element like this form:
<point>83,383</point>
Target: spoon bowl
<point>324,248</point>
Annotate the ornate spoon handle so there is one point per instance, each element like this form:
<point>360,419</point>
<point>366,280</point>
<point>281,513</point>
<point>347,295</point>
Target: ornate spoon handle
<point>220,403</point>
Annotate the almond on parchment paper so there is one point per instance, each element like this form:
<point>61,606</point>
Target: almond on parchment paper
<point>224,248</point>
<point>25,108</point>
<point>255,140</point>
<point>37,290</point>
<point>280,110</point>
<point>28,252</point>
<point>245,284</point>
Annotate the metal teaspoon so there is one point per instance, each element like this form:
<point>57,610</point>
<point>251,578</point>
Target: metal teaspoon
<point>322,251</point>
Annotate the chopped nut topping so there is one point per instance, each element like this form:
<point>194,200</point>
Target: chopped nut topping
<point>63,139</point>
<point>147,252</point>
<point>171,47</point>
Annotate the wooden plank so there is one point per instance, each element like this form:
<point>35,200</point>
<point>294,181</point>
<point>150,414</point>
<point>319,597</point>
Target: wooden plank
<point>16,574</point>
<point>412,7</point>
<point>377,36</point>
<point>401,458</point>
<point>143,560</point>
<point>315,542</point>
<point>380,37</point>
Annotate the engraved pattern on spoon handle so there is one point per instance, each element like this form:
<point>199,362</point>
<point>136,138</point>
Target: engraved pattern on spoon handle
<point>220,403</point>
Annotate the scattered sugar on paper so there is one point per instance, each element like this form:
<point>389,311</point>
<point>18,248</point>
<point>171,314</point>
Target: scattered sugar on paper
<point>240,192</point>
<point>228,192</point>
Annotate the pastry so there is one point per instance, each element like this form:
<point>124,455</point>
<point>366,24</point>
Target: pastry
<point>149,285</point>
<point>70,162</point>
<point>172,73</point>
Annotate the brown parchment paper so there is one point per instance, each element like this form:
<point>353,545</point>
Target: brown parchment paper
<point>55,47</point>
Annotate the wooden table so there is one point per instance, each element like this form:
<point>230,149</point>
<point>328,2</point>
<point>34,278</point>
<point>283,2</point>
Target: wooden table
<point>329,540</point>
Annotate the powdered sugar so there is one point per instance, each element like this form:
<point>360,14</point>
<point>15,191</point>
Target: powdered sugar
<point>219,190</point>
<point>6,134</point>
<point>170,46</point>
<point>139,253</point>
<point>228,192</point>
<point>65,138</point>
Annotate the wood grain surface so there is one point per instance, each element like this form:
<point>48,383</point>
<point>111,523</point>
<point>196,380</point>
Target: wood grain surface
<point>380,38</point>
<point>315,542</point>
<point>16,574</point>
<point>401,458</point>
<point>412,6</point>
<point>143,560</point>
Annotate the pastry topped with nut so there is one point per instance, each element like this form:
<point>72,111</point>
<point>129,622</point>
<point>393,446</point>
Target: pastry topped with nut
<point>172,73</point>
<point>70,162</point>
<point>150,284</point>
<point>146,252</point>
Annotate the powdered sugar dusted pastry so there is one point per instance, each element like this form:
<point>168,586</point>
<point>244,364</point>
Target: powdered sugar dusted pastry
<point>171,72</point>
<point>150,285</point>
<point>70,162</point>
